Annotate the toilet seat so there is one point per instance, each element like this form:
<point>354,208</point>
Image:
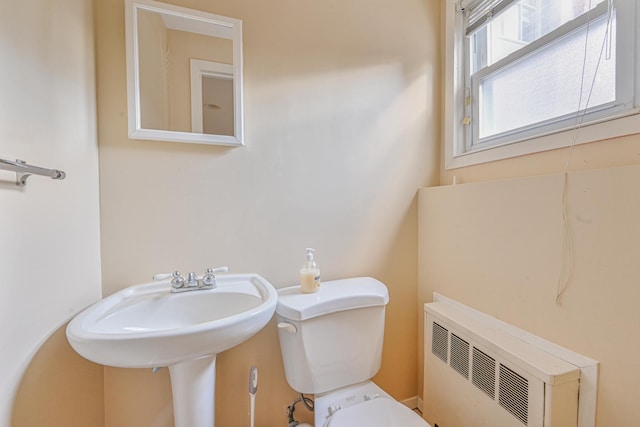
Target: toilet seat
<point>363,404</point>
<point>378,412</point>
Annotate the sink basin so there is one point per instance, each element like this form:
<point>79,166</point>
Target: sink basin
<point>146,326</point>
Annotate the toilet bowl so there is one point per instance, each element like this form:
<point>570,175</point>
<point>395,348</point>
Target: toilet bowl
<point>364,404</point>
<point>331,344</point>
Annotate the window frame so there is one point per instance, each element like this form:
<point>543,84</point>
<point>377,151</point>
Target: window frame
<point>622,120</point>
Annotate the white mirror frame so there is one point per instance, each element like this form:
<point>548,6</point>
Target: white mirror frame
<point>225,25</point>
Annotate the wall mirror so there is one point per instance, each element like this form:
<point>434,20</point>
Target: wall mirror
<point>184,74</point>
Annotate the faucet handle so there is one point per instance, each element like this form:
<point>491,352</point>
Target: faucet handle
<point>162,276</point>
<point>209,278</point>
<point>177,281</point>
<point>218,270</point>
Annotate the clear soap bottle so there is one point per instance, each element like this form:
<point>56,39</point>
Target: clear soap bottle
<point>310,274</point>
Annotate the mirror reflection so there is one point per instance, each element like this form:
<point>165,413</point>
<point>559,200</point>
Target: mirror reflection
<point>185,79</point>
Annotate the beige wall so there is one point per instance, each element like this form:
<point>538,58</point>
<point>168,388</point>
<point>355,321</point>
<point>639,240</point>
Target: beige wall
<point>341,124</point>
<point>49,250</point>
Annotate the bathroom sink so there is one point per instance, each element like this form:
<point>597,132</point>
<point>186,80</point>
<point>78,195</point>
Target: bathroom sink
<point>148,326</point>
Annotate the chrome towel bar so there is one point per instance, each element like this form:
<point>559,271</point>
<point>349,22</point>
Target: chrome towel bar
<point>24,171</point>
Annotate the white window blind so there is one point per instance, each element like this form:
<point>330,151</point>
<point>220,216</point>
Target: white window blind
<point>480,11</point>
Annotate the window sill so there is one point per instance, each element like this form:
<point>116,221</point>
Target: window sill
<point>622,126</point>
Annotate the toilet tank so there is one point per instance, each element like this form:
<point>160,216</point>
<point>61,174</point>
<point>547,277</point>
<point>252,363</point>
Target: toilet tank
<point>332,338</point>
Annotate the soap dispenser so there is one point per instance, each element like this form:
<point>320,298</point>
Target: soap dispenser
<point>310,274</point>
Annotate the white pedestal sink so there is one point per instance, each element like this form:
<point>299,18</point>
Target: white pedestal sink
<point>146,326</point>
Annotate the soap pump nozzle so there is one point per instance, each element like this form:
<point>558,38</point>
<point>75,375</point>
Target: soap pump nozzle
<point>310,263</point>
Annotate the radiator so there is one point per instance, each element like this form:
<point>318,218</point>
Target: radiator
<point>477,375</point>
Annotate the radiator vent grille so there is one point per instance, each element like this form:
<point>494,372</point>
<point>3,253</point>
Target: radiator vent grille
<point>514,393</point>
<point>513,389</point>
<point>484,372</point>
<point>440,342</point>
<point>460,355</point>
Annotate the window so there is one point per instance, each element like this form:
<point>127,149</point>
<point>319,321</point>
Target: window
<point>521,74</point>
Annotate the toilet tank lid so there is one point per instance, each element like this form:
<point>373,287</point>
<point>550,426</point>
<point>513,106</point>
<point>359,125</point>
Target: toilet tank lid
<point>333,296</point>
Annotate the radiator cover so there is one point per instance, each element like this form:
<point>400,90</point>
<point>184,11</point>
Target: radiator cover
<point>478,375</point>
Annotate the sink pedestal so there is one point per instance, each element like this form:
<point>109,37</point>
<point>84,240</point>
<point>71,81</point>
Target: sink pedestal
<point>193,387</point>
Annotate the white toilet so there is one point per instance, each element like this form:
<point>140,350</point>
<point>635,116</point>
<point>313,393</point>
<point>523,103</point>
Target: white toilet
<point>331,344</point>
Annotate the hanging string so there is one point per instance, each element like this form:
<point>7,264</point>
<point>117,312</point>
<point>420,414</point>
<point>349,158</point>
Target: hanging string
<point>567,255</point>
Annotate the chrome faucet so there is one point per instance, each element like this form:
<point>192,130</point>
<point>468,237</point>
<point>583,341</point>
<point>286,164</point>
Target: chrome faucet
<point>192,282</point>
